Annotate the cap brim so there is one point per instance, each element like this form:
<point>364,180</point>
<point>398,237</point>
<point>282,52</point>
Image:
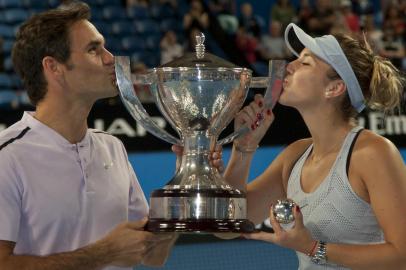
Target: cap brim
<point>296,40</point>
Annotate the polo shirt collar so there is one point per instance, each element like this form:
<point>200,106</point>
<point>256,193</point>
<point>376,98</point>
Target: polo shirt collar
<point>51,134</point>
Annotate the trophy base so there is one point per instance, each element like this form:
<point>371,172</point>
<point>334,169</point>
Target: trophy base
<point>200,226</point>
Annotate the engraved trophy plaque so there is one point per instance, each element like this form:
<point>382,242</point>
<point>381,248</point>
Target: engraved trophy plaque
<point>199,94</point>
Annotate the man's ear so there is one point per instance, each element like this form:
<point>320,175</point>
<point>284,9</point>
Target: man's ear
<point>335,88</point>
<point>51,66</point>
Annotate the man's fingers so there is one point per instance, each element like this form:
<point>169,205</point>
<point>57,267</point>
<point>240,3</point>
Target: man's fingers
<point>177,149</point>
<point>137,225</point>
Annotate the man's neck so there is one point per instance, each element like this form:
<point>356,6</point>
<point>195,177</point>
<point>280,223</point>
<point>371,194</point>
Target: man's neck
<point>69,120</point>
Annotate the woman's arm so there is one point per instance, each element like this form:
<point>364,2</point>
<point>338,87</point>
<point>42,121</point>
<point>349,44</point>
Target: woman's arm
<point>379,166</point>
<point>257,119</point>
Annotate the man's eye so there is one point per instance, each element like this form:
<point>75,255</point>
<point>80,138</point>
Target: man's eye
<point>305,64</point>
<point>93,50</point>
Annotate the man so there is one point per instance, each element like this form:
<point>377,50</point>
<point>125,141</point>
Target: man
<point>66,191</point>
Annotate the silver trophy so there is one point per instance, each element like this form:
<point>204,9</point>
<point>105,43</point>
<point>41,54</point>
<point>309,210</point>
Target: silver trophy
<point>199,94</point>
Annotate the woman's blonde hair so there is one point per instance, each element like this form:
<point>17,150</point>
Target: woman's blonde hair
<point>380,81</point>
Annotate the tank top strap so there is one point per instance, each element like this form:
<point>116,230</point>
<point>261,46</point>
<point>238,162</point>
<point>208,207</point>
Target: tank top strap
<point>346,148</point>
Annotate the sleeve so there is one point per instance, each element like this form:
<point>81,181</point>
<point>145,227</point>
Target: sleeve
<point>137,203</point>
<point>10,200</point>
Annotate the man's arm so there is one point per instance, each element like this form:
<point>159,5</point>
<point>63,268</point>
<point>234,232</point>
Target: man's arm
<point>90,257</point>
<point>124,246</point>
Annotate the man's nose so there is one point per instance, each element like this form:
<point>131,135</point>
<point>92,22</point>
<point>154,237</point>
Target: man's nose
<point>108,57</point>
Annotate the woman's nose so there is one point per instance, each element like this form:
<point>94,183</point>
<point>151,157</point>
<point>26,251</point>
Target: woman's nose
<point>290,67</point>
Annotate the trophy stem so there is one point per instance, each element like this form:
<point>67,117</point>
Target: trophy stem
<point>196,171</point>
<point>198,143</point>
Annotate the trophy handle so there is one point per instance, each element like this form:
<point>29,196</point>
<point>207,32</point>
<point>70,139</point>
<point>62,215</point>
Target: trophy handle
<point>273,84</point>
<point>133,104</point>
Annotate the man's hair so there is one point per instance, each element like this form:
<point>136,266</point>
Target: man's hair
<point>44,34</point>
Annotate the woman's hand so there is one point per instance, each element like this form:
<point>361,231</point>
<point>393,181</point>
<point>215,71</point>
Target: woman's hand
<point>256,117</point>
<point>297,238</point>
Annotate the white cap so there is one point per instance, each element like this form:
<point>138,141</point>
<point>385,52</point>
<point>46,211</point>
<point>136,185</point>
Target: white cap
<point>328,49</point>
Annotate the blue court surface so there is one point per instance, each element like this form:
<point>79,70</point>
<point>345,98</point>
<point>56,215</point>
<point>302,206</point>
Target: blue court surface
<point>202,252</point>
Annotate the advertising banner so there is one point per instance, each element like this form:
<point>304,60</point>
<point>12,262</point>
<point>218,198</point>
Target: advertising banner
<point>288,126</point>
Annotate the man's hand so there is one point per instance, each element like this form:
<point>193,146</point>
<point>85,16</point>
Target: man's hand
<point>128,243</point>
<point>159,253</point>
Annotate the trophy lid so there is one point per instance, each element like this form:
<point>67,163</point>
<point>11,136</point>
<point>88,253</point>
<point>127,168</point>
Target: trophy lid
<point>199,59</point>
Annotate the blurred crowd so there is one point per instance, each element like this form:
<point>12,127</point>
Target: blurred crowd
<point>154,32</point>
<point>383,27</point>
<point>260,39</point>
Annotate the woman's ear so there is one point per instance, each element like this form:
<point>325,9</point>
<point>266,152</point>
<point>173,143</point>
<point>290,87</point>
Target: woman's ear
<point>335,88</point>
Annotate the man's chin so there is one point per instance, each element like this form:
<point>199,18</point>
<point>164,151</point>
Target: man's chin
<point>111,93</point>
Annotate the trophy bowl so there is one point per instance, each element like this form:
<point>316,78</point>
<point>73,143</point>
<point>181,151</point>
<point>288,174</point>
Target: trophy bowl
<point>199,94</point>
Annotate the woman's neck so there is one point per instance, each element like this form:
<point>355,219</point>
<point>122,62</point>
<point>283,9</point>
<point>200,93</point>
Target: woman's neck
<point>328,132</point>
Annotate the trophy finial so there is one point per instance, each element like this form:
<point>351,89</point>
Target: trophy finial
<point>200,45</point>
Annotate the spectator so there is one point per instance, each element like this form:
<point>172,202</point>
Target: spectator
<point>304,14</point>
<point>225,11</point>
<point>249,21</point>
<point>351,19</point>
<point>170,48</point>
<point>283,12</point>
<point>373,34</point>
<point>393,20</point>
<point>272,45</point>
<point>392,46</point>
<point>195,18</point>
<point>322,19</point>
<point>363,8</point>
<point>247,44</point>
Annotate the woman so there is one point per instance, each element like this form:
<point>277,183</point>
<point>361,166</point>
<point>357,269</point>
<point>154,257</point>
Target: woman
<point>349,183</point>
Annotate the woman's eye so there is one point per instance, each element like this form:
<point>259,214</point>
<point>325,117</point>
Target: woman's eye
<point>305,64</point>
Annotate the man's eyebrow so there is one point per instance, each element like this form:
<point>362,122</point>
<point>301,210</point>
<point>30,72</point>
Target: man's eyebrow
<point>94,43</point>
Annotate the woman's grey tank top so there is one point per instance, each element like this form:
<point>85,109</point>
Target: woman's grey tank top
<point>334,213</point>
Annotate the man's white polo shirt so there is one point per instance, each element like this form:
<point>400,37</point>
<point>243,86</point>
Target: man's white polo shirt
<point>56,196</point>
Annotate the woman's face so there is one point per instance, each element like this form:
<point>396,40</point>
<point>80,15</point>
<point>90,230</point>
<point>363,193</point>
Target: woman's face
<point>306,82</point>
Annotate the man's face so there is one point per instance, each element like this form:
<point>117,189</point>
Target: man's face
<point>89,72</point>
